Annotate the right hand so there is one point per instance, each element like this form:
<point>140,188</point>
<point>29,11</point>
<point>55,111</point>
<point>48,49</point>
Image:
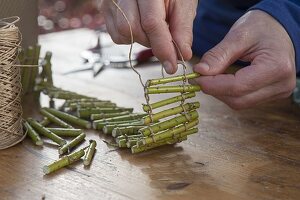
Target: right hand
<point>154,24</point>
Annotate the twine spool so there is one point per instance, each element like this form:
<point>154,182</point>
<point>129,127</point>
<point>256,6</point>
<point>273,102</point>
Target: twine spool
<point>11,131</point>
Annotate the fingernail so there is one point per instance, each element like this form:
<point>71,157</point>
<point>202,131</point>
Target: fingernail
<point>189,51</point>
<point>168,67</point>
<point>203,66</point>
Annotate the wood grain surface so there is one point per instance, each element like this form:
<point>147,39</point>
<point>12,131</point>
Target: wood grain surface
<point>250,154</point>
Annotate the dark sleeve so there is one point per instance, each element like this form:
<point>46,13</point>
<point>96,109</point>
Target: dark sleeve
<point>287,13</point>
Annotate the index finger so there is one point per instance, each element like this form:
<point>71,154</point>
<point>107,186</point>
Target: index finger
<point>245,81</point>
<point>153,20</point>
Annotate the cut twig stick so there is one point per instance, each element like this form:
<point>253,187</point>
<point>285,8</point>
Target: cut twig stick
<point>65,95</point>
<point>100,125</point>
<point>108,115</point>
<point>131,137</point>
<point>160,126</point>
<point>70,101</point>
<point>69,118</point>
<point>64,161</point>
<point>172,89</point>
<point>87,112</point>
<point>67,147</point>
<point>172,111</point>
<point>129,130</point>
<point>122,143</point>
<point>108,129</point>
<point>55,119</point>
<point>133,116</point>
<point>45,122</point>
<point>171,79</point>
<point>66,132</point>
<point>44,131</point>
<point>47,68</point>
<point>180,131</point>
<point>33,135</point>
<point>92,105</point>
<point>165,102</point>
<point>131,142</point>
<point>90,153</point>
<point>138,149</point>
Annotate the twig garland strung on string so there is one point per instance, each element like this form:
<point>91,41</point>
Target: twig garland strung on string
<point>11,131</point>
<point>184,89</point>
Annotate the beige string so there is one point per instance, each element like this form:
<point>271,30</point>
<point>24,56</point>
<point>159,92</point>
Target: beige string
<point>11,131</point>
<point>147,98</point>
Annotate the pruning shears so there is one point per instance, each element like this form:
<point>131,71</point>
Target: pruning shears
<point>97,63</point>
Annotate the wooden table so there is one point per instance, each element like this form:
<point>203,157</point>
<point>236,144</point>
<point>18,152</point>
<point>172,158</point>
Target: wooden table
<point>251,154</point>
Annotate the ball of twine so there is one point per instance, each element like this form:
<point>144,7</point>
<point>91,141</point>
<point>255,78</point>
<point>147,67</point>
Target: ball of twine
<point>11,131</point>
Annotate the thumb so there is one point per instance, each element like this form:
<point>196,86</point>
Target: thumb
<point>217,59</point>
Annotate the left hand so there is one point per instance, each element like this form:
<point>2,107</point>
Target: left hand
<point>257,38</point>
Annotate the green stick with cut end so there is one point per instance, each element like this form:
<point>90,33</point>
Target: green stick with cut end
<point>64,161</point>
<point>130,143</point>
<point>129,130</point>
<point>34,70</point>
<point>45,87</point>
<point>172,111</point>
<point>69,118</point>
<point>100,125</point>
<point>108,115</point>
<point>26,71</point>
<point>90,99</point>
<point>67,147</point>
<point>64,95</point>
<point>171,79</point>
<point>33,135</point>
<point>165,102</point>
<point>160,126</point>
<point>122,143</point>
<point>90,153</point>
<point>92,105</point>
<point>47,68</point>
<point>129,117</point>
<point>172,89</point>
<point>66,132</point>
<point>179,131</point>
<point>129,137</point>
<point>108,129</point>
<point>87,112</point>
<point>54,119</point>
<point>44,131</point>
<point>138,149</point>
<point>45,122</point>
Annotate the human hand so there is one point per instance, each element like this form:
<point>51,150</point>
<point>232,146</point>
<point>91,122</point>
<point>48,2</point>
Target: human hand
<point>257,38</point>
<point>154,24</point>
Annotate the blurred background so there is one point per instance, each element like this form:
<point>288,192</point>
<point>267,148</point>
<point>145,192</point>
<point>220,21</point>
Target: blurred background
<point>58,15</point>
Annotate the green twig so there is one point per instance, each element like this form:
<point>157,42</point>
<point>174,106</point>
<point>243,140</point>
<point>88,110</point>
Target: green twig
<point>171,79</point>
<point>90,153</point>
<point>67,147</point>
<point>33,135</point>
<point>172,111</point>
<point>172,89</point>
<point>165,102</point>
<point>44,131</point>
<point>160,126</point>
<point>69,118</point>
